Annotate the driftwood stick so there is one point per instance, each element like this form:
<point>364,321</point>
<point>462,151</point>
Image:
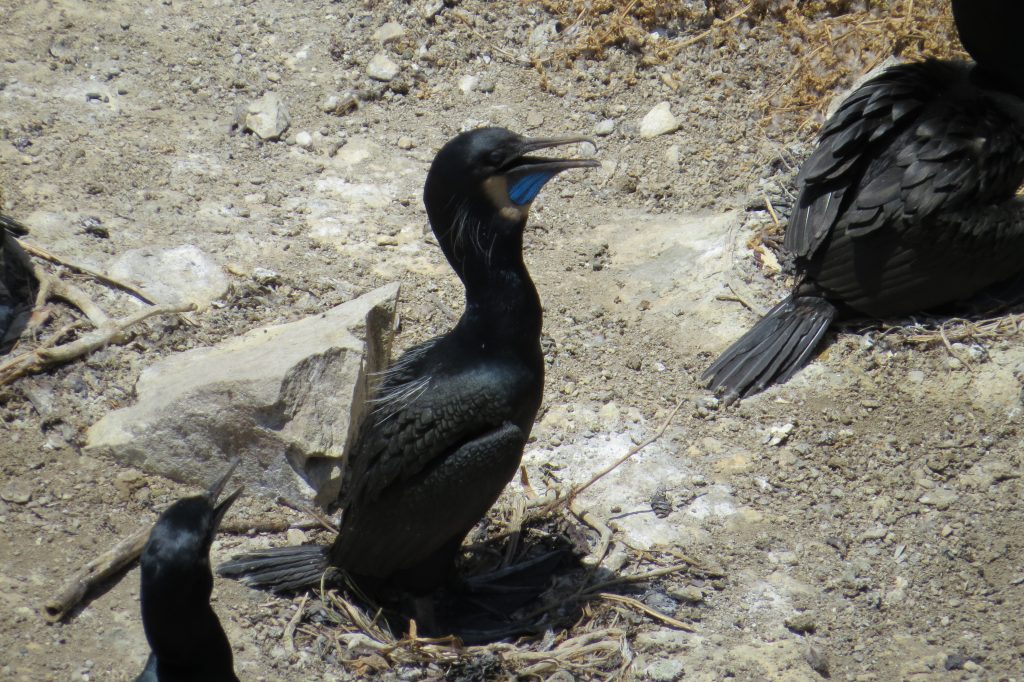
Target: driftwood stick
<point>40,252</point>
<point>267,526</point>
<point>78,298</point>
<point>95,572</point>
<point>111,333</point>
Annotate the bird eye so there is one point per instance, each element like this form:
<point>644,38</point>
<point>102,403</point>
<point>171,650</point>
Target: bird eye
<point>496,157</point>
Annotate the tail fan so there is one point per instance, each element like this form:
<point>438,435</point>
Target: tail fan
<point>13,226</point>
<point>775,349</point>
<point>279,569</point>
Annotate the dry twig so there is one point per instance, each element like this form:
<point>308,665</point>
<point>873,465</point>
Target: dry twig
<point>640,606</point>
<point>40,252</point>
<point>740,297</point>
<point>289,630</point>
<point>112,332</point>
<point>728,20</point>
<point>633,451</point>
<point>95,572</point>
<point>321,518</point>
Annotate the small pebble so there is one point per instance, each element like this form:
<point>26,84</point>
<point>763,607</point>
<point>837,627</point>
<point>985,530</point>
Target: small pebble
<point>389,32</point>
<point>382,68</point>
<point>304,140</point>
<point>127,481</point>
<point>16,492</point>
<point>406,142</point>
<point>658,121</point>
<point>266,277</point>
<point>940,498</point>
<point>605,127</point>
<point>689,594</point>
<point>817,659</point>
<point>339,105</point>
<point>801,624</point>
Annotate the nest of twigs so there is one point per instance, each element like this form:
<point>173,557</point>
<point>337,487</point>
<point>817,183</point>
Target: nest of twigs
<point>584,622</point>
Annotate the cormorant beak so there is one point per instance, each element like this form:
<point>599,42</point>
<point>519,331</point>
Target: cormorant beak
<point>526,174</point>
<point>214,492</point>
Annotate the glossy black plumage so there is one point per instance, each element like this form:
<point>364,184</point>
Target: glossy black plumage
<point>14,280</point>
<point>186,639</point>
<point>907,203</point>
<point>452,415</point>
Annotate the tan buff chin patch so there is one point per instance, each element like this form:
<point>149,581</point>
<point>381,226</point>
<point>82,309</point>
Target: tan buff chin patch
<point>496,188</point>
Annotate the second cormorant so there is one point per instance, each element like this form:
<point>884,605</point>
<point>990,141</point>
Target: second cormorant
<point>453,414</point>
<point>186,638</point>
<point>908,202</point>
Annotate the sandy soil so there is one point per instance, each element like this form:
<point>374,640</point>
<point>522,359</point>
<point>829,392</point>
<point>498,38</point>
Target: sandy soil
<point>867,515</point>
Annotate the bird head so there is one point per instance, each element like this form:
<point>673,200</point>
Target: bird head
<point>480,188</point>
<point>990,31</point>
<point>177,555</point>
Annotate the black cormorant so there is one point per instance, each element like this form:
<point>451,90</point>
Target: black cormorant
<point>453,414</point>
<point>187,641</point>
<point>908,202</point>
<point>13,277</point>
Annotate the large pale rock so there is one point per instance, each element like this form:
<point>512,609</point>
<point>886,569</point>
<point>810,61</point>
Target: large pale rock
<point>287,400</point>
<point>183,274</point>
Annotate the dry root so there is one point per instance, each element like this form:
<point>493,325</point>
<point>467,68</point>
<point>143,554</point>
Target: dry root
<point>105,330</point>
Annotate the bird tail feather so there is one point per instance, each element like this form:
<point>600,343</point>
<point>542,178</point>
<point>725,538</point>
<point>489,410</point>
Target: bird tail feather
<point>774,349</point>
<point>279,569</point>
<point>13,226</point>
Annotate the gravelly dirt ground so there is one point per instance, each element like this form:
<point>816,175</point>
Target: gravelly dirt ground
<point>883,534</point>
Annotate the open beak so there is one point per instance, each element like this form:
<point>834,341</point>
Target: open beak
<point>214,492</point>
<point>527,174</point>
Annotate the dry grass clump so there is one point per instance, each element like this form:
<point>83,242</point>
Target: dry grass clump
<point>831,42</point>
<point>602,24</point>
<point>834,42</point>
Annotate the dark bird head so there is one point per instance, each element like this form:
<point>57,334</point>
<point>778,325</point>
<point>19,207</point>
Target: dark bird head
<point>180,625</point>
<point>479,191</point>
<point>990,30</point>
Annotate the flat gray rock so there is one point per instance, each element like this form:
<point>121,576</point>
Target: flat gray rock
<point>286,399</point>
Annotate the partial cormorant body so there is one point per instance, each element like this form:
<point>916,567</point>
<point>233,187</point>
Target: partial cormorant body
<point>451,416</point>
<point>908,202</point>
<point>14,280</point>
<point>187,641</point>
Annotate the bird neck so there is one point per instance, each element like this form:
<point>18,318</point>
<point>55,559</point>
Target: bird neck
<point>184,633</point>
<point>502,304</point>
<point>998,81</point>
<point>487,254</point>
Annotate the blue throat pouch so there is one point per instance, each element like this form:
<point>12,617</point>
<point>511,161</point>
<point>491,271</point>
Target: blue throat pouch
<point>525,189</point>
